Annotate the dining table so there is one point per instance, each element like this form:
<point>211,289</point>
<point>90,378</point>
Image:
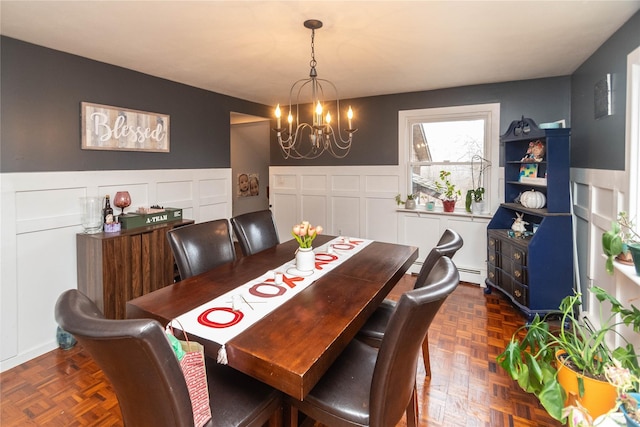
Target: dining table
<point>293,346</point>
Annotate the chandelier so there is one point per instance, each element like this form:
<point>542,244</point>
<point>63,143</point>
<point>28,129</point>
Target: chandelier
<point>309,140</point>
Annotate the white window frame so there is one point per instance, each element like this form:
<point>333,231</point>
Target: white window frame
<point>632,134</point>
<point>488,112</point>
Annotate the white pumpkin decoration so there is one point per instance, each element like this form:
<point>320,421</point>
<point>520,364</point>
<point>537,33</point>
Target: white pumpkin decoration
<point>533,199</point>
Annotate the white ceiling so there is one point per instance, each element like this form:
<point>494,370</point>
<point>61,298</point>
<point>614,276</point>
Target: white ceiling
<point>255,50</point>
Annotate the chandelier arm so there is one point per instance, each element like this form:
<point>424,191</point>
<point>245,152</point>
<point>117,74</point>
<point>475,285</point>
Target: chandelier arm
<point>339,143</point>
<point>303,83</point>
<point>349,132</point>
<point>290,148</point>
<point>330,149</point>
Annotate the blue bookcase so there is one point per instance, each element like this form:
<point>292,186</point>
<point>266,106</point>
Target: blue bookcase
<point>536,270</point>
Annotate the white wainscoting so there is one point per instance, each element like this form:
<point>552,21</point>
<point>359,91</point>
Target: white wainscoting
<point>359,201</point>
<point>39,219</point>
<point>423,229</point>
<point>598,196</point>
<point>347,200</point>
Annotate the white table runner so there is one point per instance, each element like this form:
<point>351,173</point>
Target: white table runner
<point>228,315</point>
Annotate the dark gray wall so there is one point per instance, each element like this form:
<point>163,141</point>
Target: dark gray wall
<point>600,144</point>
<point>376,142</point>
<point>40,113</point>
<point>42,90</point>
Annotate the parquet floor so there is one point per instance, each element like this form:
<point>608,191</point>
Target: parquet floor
<point>467,388</point>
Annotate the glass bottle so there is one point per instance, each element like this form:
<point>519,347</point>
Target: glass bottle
<point>108,211</point>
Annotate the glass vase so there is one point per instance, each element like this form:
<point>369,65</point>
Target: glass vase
<point>91,218</point>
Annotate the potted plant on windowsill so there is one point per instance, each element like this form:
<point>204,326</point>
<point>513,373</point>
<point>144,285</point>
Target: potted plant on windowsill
<point>621,242</point>
<point>410,203</point>
<point>475,201</point>
<point>540,358</point>
<point>449,191</point>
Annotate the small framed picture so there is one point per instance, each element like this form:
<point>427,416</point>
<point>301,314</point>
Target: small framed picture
<point>248,184</point>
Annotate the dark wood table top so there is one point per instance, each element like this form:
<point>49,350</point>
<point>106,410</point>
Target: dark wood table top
<point>293,346</point>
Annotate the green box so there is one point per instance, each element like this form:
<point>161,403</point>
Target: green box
<point>135,220</point>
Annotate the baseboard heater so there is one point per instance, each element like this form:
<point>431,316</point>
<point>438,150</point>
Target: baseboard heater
<point>468,270</point>
<point>460,269</point>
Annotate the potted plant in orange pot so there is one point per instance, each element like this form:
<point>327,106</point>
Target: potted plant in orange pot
<point>541,358</point>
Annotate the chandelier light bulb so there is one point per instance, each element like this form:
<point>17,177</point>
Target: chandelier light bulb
<point>350,116</point>
<point>278,114</point>
<point>319,113</point>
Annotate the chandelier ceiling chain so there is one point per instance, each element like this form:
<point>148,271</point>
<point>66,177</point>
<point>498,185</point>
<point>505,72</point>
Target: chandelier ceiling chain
<point>313,61</point>
<point>309,140</point>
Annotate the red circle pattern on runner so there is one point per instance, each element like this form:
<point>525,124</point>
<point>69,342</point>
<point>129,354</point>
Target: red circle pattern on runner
<point>254,290</point>
<point>326,257</point>
<point>343,246</point>
<point>204,320</point>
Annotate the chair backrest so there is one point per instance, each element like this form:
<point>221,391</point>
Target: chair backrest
<point>201,247</point>
<point>450,242</point>
<point>395,371</point>
<point>255,231</point>
<point>136,357</point>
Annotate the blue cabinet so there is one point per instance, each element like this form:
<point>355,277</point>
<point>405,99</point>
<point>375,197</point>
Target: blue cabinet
<point>534,270</point>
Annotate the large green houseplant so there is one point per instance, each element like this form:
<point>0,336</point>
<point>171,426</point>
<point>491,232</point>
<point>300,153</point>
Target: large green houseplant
<point>529,358</point>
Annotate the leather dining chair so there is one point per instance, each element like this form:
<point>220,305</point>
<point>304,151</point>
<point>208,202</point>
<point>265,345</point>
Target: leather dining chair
<point>138,360</point>
<point>373,330</point>
<point>255,231</point>
<point>370,387</point>
<point>201,247</point>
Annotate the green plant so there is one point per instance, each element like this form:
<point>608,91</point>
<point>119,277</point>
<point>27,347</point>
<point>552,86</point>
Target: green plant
<point>625,381</point>
<point>476,195</point>
<point>399,200</point>
<point>529,357</point>
<point>621,233</point>
<point>448,189</point>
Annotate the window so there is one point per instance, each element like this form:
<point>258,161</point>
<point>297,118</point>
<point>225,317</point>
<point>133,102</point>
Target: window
<point>460,140</point>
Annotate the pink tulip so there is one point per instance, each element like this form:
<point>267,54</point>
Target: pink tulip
<point>296,230</point>
<point>319,229</point>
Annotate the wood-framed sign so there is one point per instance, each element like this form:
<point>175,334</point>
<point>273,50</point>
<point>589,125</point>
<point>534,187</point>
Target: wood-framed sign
<point>114,128</point>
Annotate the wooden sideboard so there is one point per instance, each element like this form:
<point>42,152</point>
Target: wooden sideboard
<point>114,268</point>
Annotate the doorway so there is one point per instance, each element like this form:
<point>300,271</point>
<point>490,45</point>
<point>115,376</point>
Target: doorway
<point>249,163</point>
